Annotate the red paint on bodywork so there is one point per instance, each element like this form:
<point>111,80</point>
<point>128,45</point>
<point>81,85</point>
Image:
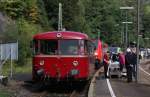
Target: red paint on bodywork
<point>63,65</point>
<point>65,35</point>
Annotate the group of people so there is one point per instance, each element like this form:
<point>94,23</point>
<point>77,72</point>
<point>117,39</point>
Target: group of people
<point>126,60</point>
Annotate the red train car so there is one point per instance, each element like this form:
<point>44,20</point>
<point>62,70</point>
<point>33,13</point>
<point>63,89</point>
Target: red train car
<point>62,55</point>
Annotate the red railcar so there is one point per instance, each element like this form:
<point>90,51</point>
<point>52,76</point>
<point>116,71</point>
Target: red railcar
<point>62,55</point>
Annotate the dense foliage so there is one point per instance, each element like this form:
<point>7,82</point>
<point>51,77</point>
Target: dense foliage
<point>103,16</point>
<point>88,16</point>
<point>27,17</point>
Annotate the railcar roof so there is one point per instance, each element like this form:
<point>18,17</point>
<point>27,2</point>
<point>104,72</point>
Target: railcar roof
<point>64,35</point>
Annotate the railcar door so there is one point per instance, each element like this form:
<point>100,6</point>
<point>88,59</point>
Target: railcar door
<point>91,58</point>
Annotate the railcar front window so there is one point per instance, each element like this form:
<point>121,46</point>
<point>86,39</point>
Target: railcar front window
<point>69,47</point>
<point>47,47</point>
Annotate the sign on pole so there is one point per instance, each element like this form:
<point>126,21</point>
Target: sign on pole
<point>8,51</point>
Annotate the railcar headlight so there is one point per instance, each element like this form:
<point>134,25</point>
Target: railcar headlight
<point>42,62</point>
<point>59,35</point>
<point>75,63</point>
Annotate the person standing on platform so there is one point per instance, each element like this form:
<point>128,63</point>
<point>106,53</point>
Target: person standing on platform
<point>134,61</point>
<point>121,60</point>
<point>106,63</point>
<point>129,66</point>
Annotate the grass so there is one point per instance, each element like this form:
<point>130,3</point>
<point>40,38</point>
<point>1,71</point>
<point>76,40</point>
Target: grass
<point>16,70</point>
<point>5,93</point>
<point>6,69</point>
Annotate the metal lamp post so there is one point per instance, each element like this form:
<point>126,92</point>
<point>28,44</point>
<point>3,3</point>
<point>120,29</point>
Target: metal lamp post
<point>126,33</point>
<point>126,24</point>
<point>138,32</point>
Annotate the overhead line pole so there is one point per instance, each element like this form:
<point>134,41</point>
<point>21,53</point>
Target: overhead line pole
<point>126,30</point>
<point>138,32</point>
<point>60,18</point>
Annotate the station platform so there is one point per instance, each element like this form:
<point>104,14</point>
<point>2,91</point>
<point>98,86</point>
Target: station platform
<point>119,87</point>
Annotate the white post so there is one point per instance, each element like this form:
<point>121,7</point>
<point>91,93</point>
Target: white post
<point>0,52</point>
<point>11,73</point>
<point>17,50</point>
<point>1,57</point>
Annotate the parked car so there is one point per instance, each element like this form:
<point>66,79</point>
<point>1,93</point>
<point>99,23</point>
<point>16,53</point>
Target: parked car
<point>114,50</point>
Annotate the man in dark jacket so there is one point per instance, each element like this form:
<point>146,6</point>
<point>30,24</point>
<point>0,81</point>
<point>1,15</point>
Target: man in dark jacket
<point>128,62</point>
<point>134,61</point>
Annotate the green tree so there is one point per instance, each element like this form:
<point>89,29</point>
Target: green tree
<point>146,20</point>
<point>102,16</point>
<point>22,31</point>
<point>146,24</point>
<point>26,18</point>
<point>24,36</point>
<point>13,9</point>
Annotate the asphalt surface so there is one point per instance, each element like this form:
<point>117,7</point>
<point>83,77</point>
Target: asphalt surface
<point>101,88</point>
<point>121,88</point>
<point>124,89</point>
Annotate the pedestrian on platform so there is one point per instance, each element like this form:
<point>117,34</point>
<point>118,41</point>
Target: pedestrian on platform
<point>134,61</point>
<point>128,59</point>
<point>121,60</point>
<point>106,63</point>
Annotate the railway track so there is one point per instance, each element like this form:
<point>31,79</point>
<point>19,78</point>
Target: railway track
<point>62,90</point>
<point>22,88</point>
<point>57,89</point>
<point>80,93</point>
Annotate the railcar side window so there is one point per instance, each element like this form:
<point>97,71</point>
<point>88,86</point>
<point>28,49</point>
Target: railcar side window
<point>35,47</point>
<point>82,47</point>
<point>86,47</point>
<point>68,47</point>
<point>90,47</point>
